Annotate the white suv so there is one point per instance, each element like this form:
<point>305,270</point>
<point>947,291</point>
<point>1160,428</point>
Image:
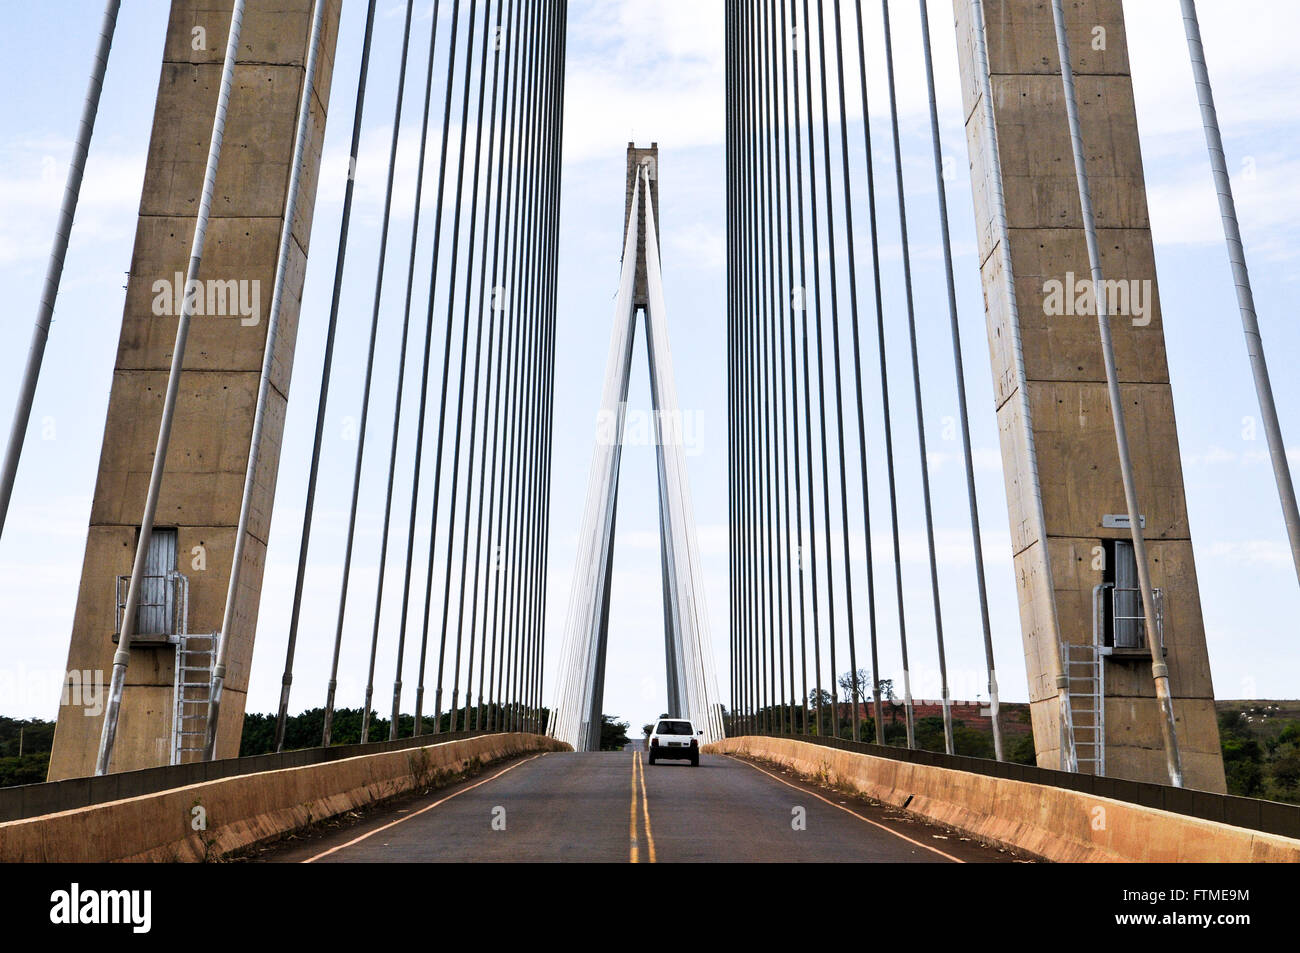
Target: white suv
<point>675,739</point>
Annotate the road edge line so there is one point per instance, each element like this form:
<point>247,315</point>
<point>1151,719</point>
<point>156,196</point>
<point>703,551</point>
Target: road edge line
<point>428,807</point>
<point>955,860</point>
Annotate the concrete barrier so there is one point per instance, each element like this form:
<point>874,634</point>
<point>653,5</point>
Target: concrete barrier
<point>210,820</point>
<point>1049,822</point>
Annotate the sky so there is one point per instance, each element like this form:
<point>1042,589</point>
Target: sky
<point>652,70</point>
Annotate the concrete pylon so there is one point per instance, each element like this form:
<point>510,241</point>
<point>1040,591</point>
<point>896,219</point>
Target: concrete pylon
<point>1064,494</point>
<point>201,494</point>
<point>637,159</point>
<point>691,687</point>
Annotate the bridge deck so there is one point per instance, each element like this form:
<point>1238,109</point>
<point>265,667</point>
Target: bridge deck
<point>580,807</point>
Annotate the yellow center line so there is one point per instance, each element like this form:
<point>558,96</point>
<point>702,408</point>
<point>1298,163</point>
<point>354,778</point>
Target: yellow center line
<point>645,809</point>
<point>955,860</point>
<point>632,820</point>
<point>430,807</point>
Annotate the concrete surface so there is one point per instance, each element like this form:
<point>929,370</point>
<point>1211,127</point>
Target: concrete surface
<point>1075,469</point>
<point>209,820</point>
<point>209,449</point>
<point>613,807</point>
<point>1051,823</point>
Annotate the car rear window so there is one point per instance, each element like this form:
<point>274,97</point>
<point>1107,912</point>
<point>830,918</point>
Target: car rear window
<point>674,728</point>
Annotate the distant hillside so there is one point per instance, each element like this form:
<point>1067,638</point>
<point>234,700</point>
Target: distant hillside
<point>24,750</point>
<point>1261,747</point>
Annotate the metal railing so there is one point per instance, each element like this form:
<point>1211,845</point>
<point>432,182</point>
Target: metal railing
<point>1127,621</point>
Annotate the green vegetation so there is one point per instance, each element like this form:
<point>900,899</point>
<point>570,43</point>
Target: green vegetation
<point>975,741</point>
<point>305,730</point>
<point>613,734</point>
<point>24,750</point>
<point>965,741</point>
<point>1023,751</point>
<point>1261,753</point>
<point>301,731</point>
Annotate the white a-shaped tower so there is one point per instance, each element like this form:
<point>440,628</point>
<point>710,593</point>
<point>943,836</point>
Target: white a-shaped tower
<point>692,682</point>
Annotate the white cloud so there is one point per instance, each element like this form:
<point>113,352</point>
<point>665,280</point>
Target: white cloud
<point>987,459</point>
<point>1214,455</point>
<point>700,243</point>
<point>1250,552</point>
<point>1254,81</point>
<point>643,70</point>
<point>1185,209</point>
<point>1254,90</point>
<point>33,173</point>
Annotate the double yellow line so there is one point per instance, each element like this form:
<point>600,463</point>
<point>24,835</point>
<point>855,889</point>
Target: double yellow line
<point>638,790</point>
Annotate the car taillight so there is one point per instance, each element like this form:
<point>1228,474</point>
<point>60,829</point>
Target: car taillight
<point>654,742</point>
<point>694,743</point>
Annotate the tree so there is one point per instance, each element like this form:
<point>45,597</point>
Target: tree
<point>970,742</point>
<point>36,736</point>
<point>613,734</point>
<point>887,695</point>
<point>819,703</point>
<point>856,687</point>
<point>1242,755</point>
<point>929,733</point>
<point>28,769</point>
<point>856,684</point>
<point>1286,769</point>
<point>1023,751</point>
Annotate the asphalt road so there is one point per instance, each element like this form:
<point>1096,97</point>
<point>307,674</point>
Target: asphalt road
<point>614,807</point>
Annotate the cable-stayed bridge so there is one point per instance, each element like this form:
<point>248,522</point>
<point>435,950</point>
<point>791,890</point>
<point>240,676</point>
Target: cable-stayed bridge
<point>1119,682</point>
<point>692,689</point>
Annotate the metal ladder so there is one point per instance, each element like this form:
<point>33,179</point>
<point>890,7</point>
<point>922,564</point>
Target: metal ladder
<point>1082,665</point>
<point>195,656</point>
